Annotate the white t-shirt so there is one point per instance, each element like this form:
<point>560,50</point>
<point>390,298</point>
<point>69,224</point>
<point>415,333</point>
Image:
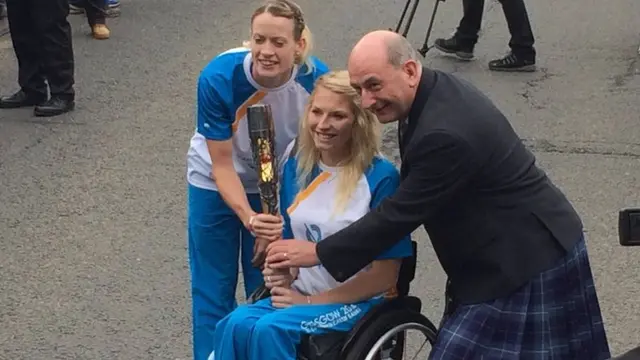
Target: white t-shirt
<point>225,90</point>
<point>310,213</point>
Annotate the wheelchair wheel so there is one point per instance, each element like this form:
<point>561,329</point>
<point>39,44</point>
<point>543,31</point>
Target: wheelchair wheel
<point>385,338</point>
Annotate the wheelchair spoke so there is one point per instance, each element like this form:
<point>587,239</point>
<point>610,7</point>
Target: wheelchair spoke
<point>419,350</point>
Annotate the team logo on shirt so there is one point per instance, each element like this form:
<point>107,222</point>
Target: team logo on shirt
<point>313,233</point>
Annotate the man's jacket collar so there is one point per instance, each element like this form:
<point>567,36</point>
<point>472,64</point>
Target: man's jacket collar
<point>425,86</point>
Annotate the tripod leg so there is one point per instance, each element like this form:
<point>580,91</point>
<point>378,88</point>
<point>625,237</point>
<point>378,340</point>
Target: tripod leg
<point>410,19</point>
<point>404,12</point>
<point>425,45</point>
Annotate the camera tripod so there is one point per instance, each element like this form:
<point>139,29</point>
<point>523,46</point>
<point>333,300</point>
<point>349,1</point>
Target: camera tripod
<point>425,46</point>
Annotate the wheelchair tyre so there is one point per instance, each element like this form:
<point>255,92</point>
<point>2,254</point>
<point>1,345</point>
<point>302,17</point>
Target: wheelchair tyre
<point>386,326</point>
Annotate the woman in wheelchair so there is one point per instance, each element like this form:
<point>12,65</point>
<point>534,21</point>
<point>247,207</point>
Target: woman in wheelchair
<point>334,175</point>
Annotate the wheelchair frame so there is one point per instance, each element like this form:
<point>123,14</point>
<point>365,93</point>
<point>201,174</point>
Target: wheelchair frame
<point>383,327</point>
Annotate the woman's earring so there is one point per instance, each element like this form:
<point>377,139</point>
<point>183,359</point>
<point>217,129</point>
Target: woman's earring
<point>297,57</point>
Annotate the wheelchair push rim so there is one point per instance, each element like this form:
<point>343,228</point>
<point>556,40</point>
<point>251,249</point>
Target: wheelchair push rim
<point>385,337</point>
<point>425,330</point>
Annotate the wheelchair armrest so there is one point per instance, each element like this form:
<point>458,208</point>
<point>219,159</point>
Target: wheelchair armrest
<point>410,303</point>
<point>260,293</point>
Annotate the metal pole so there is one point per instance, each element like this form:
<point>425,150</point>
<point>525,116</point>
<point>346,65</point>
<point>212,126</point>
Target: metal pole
<point>425,45</point>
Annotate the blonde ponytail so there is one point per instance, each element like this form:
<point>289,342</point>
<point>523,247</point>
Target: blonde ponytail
<point>307,37</point>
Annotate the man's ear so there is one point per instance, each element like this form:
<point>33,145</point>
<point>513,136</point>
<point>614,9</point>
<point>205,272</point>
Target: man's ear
<point>411,69</point>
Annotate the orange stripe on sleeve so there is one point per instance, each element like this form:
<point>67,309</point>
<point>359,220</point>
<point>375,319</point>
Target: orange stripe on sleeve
<point>306,192</point>
<point>242,110</point>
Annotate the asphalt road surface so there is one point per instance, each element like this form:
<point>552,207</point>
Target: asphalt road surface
<point>92,204</point>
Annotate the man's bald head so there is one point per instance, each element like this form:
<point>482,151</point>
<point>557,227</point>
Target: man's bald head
<point>397,48</point>
<point>386,69</point>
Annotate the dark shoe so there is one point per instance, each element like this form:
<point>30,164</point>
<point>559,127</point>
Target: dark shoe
<point>113,8</point>
<point>512,62</point>
<point>20,99</point>
<point>453,46</point>
<point>55,106</point>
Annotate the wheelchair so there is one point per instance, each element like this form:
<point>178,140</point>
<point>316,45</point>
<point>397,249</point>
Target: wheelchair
<point>380,334</point>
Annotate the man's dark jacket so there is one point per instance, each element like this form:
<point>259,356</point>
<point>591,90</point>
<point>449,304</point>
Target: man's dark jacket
<point>494,218</point>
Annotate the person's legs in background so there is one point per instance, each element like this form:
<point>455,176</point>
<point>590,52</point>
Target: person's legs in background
<point>75,7</point>
<point>523,54</point>
<point>57,65</point>
<point>112,9</point>
<point>96,15</point>
<point>462,44</point>
<point>25,36</point>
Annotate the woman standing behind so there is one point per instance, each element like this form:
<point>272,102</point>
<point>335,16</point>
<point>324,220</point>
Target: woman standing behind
<point>275,69</point>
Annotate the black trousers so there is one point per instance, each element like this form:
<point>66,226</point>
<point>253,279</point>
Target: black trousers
<point>95,10</point>
<point>41,38</point>
<point>515,12</point>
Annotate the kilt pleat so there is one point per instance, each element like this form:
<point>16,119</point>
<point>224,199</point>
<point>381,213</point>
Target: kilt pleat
<point>555,316</point>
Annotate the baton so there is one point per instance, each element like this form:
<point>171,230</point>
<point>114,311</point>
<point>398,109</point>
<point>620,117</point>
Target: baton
<point>262,135</point>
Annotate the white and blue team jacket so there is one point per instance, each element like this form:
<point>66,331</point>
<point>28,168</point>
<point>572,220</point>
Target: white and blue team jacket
<point>225,90</point>
<point>309,213</point>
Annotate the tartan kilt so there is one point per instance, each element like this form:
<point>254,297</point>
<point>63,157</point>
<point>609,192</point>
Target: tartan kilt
<point>555,316</point>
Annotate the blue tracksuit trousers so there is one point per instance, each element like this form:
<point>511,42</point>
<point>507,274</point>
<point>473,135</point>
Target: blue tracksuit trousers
<point>217,239</point>
<point>262,332</point>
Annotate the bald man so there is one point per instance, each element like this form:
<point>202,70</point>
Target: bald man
<point>519,280</point>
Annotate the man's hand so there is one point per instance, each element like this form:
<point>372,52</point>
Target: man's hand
<point>277,277</point>
<point>284,254</point>
<point>283,298</point>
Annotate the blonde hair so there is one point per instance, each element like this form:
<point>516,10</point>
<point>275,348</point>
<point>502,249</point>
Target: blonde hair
<point>290,10</point>
<point>364,143</point>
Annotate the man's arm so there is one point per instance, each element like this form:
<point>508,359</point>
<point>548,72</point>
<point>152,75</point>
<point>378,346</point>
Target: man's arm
<point>441,164</point>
